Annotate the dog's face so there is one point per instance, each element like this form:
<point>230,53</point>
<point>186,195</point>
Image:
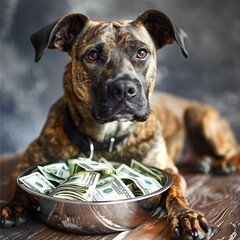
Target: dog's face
<point>113,63</point>
<point>119,62</point>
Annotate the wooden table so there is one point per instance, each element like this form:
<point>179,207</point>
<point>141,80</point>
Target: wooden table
<point>218,197</point>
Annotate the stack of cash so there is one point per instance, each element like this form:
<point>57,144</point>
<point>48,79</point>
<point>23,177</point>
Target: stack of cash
<point>83,179</point>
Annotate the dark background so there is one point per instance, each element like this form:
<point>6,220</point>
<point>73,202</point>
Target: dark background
<point>211,74</point>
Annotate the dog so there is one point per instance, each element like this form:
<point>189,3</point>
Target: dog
<point>109,102</point>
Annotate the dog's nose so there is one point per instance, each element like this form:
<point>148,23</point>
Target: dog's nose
<point>123,90</point>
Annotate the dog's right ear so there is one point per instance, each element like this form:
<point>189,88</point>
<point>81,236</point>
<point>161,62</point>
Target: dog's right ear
<point>60,34</point>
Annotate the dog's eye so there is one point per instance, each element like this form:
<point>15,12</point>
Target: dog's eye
<point>93,55</point>
<point>142,53</point>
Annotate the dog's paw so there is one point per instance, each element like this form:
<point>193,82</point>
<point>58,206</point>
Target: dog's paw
<point>13,215</point>
<point>190,225</point>
<point>223,167</point>
<point>224,171</point>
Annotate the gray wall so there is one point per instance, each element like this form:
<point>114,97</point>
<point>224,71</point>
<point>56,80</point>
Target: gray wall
<point>211,73</point>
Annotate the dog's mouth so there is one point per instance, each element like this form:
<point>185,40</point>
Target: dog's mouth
<point>121,112</point>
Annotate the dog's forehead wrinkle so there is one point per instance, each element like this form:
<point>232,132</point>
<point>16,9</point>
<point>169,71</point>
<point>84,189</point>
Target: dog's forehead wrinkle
<point>91,33</point>
<point>119,32</point>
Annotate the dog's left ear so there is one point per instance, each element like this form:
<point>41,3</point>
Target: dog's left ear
<point>60,34</point>
<point>161,29</point>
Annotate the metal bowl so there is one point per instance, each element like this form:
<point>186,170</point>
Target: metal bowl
<point>95,217</point>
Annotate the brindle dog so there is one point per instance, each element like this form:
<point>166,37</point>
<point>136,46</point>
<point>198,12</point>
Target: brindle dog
<point>108,88</point>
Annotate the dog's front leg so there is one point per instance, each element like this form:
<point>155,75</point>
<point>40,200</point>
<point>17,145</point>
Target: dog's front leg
<point>185,223</point>
<point>15,212</point>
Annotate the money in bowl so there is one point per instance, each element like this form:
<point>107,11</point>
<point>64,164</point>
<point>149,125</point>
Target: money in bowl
<point>94,197</point>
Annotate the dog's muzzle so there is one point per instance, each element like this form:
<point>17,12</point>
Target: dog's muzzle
<point>122,99</point>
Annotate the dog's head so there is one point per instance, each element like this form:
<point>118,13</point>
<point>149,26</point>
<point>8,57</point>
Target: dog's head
<point>113,68</point>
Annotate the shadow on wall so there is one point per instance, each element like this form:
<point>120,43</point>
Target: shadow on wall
<point>28,90</point>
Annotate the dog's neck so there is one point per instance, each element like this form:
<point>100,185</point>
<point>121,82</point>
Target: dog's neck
<point>95,131</point>
<point>113,129</point>
<point>83,119</point>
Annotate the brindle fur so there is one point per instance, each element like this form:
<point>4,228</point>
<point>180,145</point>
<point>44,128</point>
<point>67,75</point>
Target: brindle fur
<point>156,137</point>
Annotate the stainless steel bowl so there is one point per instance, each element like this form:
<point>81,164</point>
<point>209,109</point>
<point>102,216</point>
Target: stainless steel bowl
<point>95,217</point>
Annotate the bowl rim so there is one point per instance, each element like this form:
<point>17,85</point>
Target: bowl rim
<point>166,186</point>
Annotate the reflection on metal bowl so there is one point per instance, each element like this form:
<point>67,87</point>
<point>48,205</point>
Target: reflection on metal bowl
<point>95,217</point>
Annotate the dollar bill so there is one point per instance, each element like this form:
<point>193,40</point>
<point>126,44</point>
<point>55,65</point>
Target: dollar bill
<point>60,170</point>
<point>102,168</point>
<point>79,186</point>
<point>111,187</point>
<point>125,171</point>
<point>37,182</point>
<point>105,161</point>
<point>50,176</point>
<point>134,189</point>
<point>73,163</point>
<point>144,183</point>
<point>146,171</point>
<point>74,194</point>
